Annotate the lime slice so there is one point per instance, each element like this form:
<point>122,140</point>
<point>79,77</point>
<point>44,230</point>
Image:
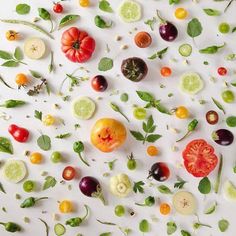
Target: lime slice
<point>130,11</point>
<point>229,191</point>
<point>14,171</point>
<point>83,108</point>
<point>139,113</point>
<point>185,50</point>
<point>191,83</point>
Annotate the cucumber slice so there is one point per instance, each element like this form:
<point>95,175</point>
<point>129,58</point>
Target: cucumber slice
<point>14,171</point>
<point>140,113</point>
<point>191,83</point>
<point>59,229</point>
<point>229,191</point>
<point>130,11</point>
<point>185,50</point>
<point>83,108</point>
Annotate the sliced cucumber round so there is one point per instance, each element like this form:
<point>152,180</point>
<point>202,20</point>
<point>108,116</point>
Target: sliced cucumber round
<point>14,171</point>
<point>59,229</point>
<point>229,191</point>
<point>185,50</point>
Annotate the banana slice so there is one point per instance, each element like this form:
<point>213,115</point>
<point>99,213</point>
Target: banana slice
<point>229,191</point>
<point>34,48</point>
<point>184,203</point>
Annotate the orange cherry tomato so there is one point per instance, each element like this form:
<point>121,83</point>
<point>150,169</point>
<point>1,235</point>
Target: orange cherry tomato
<point>36,158</point>
<point>143,39</point>
<point>152,151</point>
<point>65,206</point>
<point>165,208</point>
<point>166,71</point>
<point>21,80</point>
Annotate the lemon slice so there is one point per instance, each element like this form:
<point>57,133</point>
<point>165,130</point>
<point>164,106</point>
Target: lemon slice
<point>229,191</point>
<point>191,83</point>
<point>83,108</point>
<point>34,48</point>
<point>14,171</point>
<point>130,11</point>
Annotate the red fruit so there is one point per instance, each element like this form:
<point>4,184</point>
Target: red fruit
<point>222,71</point>
<point>199,158</point>
<point>18,133</point>
<point>68,173</point>
<point>99,83</point>
<point>58,8</point>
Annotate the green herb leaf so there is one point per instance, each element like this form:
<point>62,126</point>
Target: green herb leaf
<point>138,187</point>
<point>204,186</point>
<point>50,182</point>
<point>44,142</point>
<point>211,209</point>
<point>104,5</point>
<point>44,14</point>
<point>194,28</point>
<point>144,226</point>
<point>171,227</point>
<point>211,12</point>
<point>68,20</point>
<point>180,183</point>
<point>101,23</point>
<point>231,121</point>
<point>164,189</point>
<point>153,138</point>
<point>211,49</point>
<point>145,96</point>
<point>234,30</point>
<point>223,225</point>
<point>38,115</point>
<point>10,64</point>
<point>22,9</point>
<point>174,2</point>
<point>151,22</point>
<point>150,123</point>
<point>158,54</point>
<point>35,74</point>
<point>105,64</point>
<point>62,136</point>
<point>18,54</point>
<point>5,55</point>
<point>105,234</point>
<point>233,84</point>
<point>5,145</point>
<point>162,109</point>
<point>1,188</point>
<point>137,135</point>
<point>218,105</point>
<point>185,233</point>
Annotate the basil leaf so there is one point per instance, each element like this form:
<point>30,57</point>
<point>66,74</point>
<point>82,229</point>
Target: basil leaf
<point>44,142</point>
<point>164,189</point>
<point>204,186</point>
<point>137,135</point>
<point>35,74</point>
<point>44,14</point>
<point>231,121</point>
<point>211,209</point>
<point>5,145</point>
<point>211,12</point>
<point>158,54</point>
<point>5,55</point>
<point>194,28</point>
<point>223,225</point>
<point>18,54</point>
<point>105,64</point>
<point>22,9</point>
<point>10,64</point>
<point>162,109</point>
<point>150,122</point>
<point>105,234</point>
<point>151,138</point>
<point>218,105</point>
<point>174,2</point>
<point>104,5</point>
<point>144,226</point>
<point>185,233</point>
<point>171,227</point>
<point>145,96</point>
<point>50,182</point>
<point>38,115</point>
<point>67,20</point>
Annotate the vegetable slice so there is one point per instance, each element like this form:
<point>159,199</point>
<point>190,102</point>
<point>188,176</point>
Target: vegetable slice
<point>229,191</point>
<point>59,229</point>
<point>185,50</point>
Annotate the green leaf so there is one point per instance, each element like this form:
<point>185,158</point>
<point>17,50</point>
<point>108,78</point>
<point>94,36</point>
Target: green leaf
<point>211,49</point>
<point>137,135</point>
<point>22,9</point>
<point>180,183</point>
<point>204,186</point>
<point>50,182</point>
<point>211,12</point>
<point>35,74</point>
<point>231,121</point>
<point>153,138</point>
<point>138,187</point>
<point>164,189</point>
<point>194,28</point>
<point>162,109</point>
<point>18,54</point>
<point>150,123</point>
<point>44,14</point>
<point>211,209</point>
<point>145,96</point>
<point>68,19</point>
<point>5,55</point>
<point>10,64</point>
<point>62,136</point>
<point>158,54</point>
<point>105,234</point>
<point>185,233</point>
<point>1,188</point>
<point>233,84</point>
<point>234,30</point>
<point>218,105</point>
<point>151,22</point>
<point>105,64</point>
<point>144,226</point>
<point>223,225</point>
<point>104,5</point>
<point>44,142</point>
<point>171,227</point>
<point>5,145</point>
<point>38,115</point>
<point>174,2</point>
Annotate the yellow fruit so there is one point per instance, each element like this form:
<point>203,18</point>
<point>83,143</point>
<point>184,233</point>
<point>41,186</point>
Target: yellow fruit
<point>36,158</point>
<point>152,151</point>
<point>181,13</point>
<point>21,80</point>
<point>84,3</point>
<point>12,35</point>
<point>182,112</point>
<point>165,208</point>
<point>65,206</point>
<point>49,120</point>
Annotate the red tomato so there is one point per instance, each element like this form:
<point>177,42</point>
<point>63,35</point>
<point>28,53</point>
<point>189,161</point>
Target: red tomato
<point>57,8</point>
<point>165,71</point>
<point>77,45</point>
<point>222,71</point>
<point>68,173</point>
<point>99,83</point>
<point>199,158</point>
<point>18,133</point>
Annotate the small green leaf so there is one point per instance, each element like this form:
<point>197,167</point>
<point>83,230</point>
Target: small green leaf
<point>104,5</point>
<point>218,105</point>
<point>162,109</point>
<point>211,209</point>
<point>68,20</point>
<point>150,123</point>
<point>137,135</point>
<point>62,136</point>
<point>194,28</point>
<point>223,225</point>
<point>38,115</point>
<point>35,74</point>
<point>211,12</point>
<point>138,187</point>
<point>105,234</point>
<point>5,145</point>
<point>164,189</point>
<point>5,55</point>
<point>153,138</point>
<point>10,64</point>
<point>204,186</point>
<point>158,54</point>
<point>18,54</point>
<point>171,227</point>
<point>22,9</point>
<point>105,64</point>
<point>44,142</point>
<point>1,188</point>
<point>144,226</point>
<point>145,96</point>
<point>151,22</point>
<point>50,182</point>
<point>44,14</point>
<point>180,183</point>
<point>231,121</point>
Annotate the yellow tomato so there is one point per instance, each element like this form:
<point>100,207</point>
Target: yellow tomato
<point>182,112</point>
<point>65,206</point>
<point>12,35</point>
<point>49,120</point>
<point>181,13</point>
<point>84,3</point>
<point>21,80</point>
<point>152,151</point>
<point>36,158</point>
<point>165,209</point>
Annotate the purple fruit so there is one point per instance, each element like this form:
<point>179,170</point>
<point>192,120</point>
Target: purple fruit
<point>167,30</point>
<point>91,187</point>
<point>159,171</point>
<point>223,137</point>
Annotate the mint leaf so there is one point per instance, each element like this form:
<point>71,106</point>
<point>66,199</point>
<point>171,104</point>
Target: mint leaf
<point>50,182</point>
<point>22,9</point>
<point>10,64</point>
<point>171,227</point>
<point>194,28</point>
<point>5,55</point>
<point>18,54</point>
<point>137,135</point>
<point>105,64</point>
<point>145,96</point>
<point>164,189</point>
<point>153,138</point>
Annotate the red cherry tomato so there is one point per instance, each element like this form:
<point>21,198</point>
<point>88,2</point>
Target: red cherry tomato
<point>58,8</point>
<point>99,83</point>
<point>199,158</point>
<point>68,173</point>
<point>212,117</point>
<point>18,133</point>
<point>165,71</point>
<point>222,71</point>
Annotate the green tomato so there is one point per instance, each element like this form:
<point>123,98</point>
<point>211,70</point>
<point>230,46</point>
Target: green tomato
<point>228,96</point>
<point>28,186</point>
<point>131,164</point>
<point>139,113</point>
<point>56,157</point>
<point>119,210</point>
<point>224,28</point>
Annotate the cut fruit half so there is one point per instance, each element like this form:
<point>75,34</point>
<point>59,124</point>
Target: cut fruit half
<point>14,171</point>
<point>34,48</point>
<point>229,191</point>
<point>185,50</point>
<point>83,108</point>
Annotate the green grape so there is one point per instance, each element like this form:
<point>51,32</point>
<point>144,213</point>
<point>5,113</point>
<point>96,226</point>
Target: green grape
<point>228,96</point>
<point>119,210</point>
<point>56,157</point>
<point>224,28</point>
<point>28,186</point>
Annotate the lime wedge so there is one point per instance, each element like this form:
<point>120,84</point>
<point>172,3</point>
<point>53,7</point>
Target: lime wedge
<point>83,108</point>
<point>130,11</point>
<point>229,191</point>
<point>14,171</point>
<point>191,83</point>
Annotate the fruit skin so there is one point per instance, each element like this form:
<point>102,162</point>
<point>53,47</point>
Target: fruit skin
<point>58,8</point>
<point>108,134</point>
<point>18,133</point>
<point>28,186</point>
<point>143,39</point>
<point>99,83</point>
<point>224,28</point>
<point>34,48</point>
<point>68,173</point>
<point>12,35</point>
<point>36,158</point>
<point>229,191</point>
<point>119,210</point>
<point>77,45</point>
<point>134,69</point>
<point>182,112</point>
<point>199,158</point>
<point>159,171</point>
<point>223,137</point>
<point>65,206</point>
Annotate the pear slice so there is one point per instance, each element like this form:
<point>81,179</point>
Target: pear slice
<point>229,191</point>
<point>34,48</point>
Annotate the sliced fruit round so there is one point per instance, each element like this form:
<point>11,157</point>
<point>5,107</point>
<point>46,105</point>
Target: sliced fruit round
<point>140,113</point>
<point>14,171</point>
<point>184,203</point>
<point>34,48</point>
<point>191,83</point>
<point>83,108</point>
<point>229,191</point>
<point>130,11</point>
<point>185,50</point>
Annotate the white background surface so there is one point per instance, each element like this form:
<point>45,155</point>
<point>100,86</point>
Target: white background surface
<point>152,84</point>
